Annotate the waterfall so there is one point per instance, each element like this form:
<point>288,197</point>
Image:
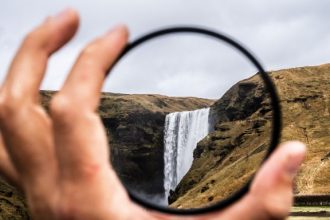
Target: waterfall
<point>182,132</point>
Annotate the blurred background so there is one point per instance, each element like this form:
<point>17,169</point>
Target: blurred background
<point>281,34</point>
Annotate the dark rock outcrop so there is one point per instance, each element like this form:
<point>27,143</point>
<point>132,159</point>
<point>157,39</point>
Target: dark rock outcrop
<point>135,126</point>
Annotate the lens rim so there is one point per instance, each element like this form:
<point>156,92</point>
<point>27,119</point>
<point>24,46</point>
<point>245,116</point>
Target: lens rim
<point>277,122</point>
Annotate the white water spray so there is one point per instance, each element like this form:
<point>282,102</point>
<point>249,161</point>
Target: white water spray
<point>182,132</point>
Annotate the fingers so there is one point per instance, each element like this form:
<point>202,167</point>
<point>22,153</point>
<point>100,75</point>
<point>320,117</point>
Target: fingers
<point>270,195</point>
<point>25,127</point>
<point>80,137</point>
<point>84,83</point>
<point>28,67</point>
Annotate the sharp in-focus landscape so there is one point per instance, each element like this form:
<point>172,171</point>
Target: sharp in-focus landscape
<point>140,129</point>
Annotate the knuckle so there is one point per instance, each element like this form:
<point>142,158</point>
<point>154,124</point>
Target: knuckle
<point>89,51</point>
<point>9,104</point>
<point>37,38</point>
<point>31,39</point>
<point>66,110</point>
<point>61,106</point>
<point>92,48</point>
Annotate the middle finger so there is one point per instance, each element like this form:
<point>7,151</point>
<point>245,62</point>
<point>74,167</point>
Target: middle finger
<point>79,134</point>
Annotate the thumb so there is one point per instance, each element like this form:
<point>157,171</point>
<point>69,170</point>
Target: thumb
<point>272,186</point>
<point>270,195</point>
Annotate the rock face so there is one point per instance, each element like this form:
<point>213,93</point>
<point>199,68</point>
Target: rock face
<point>134,125</point>
<point>230,155</point>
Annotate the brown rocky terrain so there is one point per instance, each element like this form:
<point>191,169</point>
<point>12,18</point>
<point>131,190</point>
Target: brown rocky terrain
<point>230,155</point>
<point>134,124</point>
<point>12,203</point>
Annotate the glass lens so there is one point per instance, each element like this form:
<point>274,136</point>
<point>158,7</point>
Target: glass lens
<point>189,120</point>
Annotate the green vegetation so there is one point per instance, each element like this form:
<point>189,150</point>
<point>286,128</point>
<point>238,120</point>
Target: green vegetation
<point>317,212</point>
<point>310,208</point>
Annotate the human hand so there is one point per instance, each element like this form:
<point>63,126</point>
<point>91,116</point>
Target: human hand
<point>60,160</point>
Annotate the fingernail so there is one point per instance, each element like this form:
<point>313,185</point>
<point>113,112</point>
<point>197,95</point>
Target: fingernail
<point>63,14</point>
<point>296,157</point>
<point>118,29</point>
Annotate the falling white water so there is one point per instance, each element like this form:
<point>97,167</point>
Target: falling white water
<point>182,132</point>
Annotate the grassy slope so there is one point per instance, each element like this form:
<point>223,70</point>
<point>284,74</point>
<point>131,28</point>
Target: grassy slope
<point>225,162</point>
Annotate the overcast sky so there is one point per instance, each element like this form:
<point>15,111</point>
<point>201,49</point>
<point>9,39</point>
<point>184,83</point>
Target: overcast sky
<point>280,33</point>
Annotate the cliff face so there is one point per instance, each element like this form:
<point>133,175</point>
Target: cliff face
<point>230,155</point>
<point>134,125</point>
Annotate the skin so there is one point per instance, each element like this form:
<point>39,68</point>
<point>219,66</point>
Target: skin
<point>60,160</point>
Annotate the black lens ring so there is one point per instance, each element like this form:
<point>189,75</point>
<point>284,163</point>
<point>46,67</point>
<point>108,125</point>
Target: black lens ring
<point>276,132</point>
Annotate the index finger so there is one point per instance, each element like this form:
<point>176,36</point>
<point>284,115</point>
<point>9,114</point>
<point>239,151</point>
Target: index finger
<point>84,83</point>
<point>28,67</point>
